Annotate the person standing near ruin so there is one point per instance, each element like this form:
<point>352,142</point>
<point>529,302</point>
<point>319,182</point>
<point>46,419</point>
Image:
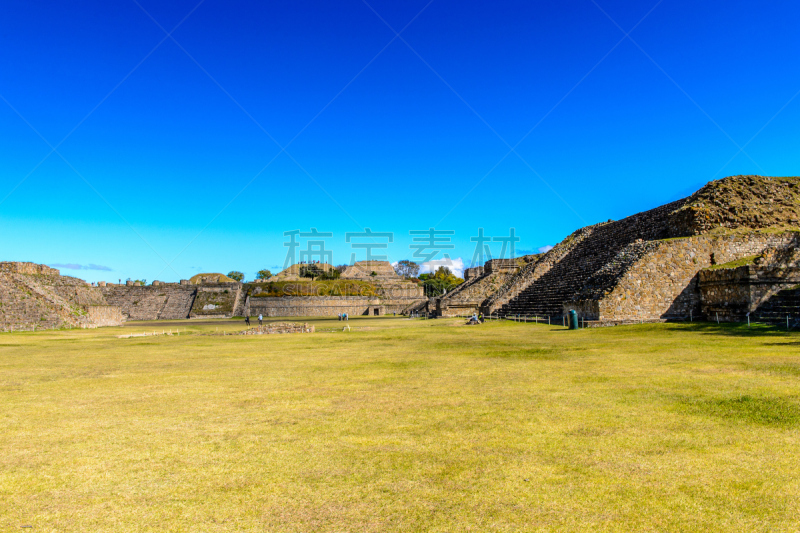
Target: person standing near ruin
<point>260,318</point>
<point>247,320</point>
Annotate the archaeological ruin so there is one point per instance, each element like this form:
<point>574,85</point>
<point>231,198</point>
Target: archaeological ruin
<point>727,252</point>
<point>648,267</point>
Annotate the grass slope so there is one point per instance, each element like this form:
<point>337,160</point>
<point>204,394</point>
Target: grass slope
<point>401,425</point>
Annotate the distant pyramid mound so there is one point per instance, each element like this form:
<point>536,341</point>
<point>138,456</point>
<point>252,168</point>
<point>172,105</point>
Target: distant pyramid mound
<point>202,279</point>
<point>382,270</point>
<point>294,272</point>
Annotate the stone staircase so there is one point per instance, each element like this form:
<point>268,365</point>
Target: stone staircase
<point>501,301</point>
<point>780,305</point>
<point>178,305</point>
<point>590,261</point>
<point>460,288</point>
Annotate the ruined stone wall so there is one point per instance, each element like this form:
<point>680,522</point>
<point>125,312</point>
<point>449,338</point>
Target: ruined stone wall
<point>30,269</point>
<point>218,300</point>
<point>315,306</point>
<point>662,282</point>
<point>750,202</point>
<point>37,297</point>
<point>473,273</point>
<point>172,301</point>
<point>731,293</point>
<point>105,315</point>
<point>163,301</point>
<point>279,328</point>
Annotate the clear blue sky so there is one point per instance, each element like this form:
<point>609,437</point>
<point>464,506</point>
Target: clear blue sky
<point>173,147</point>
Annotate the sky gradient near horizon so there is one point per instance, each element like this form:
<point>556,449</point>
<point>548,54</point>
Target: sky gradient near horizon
<point>194,152</point>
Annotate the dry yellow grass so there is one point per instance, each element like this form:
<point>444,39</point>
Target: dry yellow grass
<point>405,425</point>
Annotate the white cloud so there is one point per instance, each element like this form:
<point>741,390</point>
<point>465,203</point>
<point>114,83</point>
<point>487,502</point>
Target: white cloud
<point>76,266</point>
<point>456,266</point>
<point>545,249</point>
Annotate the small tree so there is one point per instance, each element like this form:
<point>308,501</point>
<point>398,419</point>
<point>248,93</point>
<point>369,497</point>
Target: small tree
<point>236,275</point>
<point>442,282</point>
<point>443,272</point>
<point>406,268</point>
<point>263,274</point>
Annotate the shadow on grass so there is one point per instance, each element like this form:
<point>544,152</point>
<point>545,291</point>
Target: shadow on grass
<point>736,329</point>
<point>538,353</point>
<point>783,369</point>
<point>759,410</point>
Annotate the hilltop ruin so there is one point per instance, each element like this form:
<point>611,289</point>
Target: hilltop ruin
<point>646,266</point>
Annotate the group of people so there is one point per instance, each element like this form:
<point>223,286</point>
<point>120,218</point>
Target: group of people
<point>476,318</point>
<point>260,320</point>
<point>343,316</point>
<point>309,262</point>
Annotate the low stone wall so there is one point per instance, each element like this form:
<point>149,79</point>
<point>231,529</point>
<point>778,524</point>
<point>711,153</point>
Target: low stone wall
<point>732,293</point>
<point>105,315</point>
<point>313,306</point>
<point>278,328</point>
<point>328,306</point>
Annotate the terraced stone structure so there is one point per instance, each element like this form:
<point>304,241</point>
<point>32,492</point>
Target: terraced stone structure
<point>645,267</point>
<point>172,301</point>
<point>293,272</point>
<point>371,270</point>
<point>392,294</point>
<point>34,296</point>
<point>479,284</point>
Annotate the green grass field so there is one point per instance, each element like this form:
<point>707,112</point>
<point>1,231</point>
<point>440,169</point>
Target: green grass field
<point>401,425</point>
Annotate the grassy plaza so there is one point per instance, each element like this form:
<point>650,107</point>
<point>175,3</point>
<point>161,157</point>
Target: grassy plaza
<point>401,425</point>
